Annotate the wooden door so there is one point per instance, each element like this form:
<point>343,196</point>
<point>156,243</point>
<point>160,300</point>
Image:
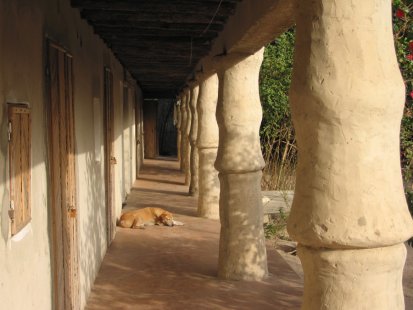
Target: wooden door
<point>61,146</point>
<point>110,159</point>
<point>149,129</point>
<point>126,138</point>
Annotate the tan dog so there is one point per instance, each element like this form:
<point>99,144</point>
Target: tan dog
<point>146,216</point>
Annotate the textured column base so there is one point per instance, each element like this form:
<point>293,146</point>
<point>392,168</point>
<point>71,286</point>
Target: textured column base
<point>353,279</point>
<point>242,252</point>
<point>208,200</point>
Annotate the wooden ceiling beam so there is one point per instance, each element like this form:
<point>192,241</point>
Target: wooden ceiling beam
<point>165,17</point>
<point>165,6</point>
<point>198,27</point>
<point>182,63</point>
<point>159,78</point>
<point>126,33</point>
<point>155,77</point>
<point>148,70</point>
<point>186,61</point>
<point>164,51</point>
<point>161,40</point>
<point>160,85</point>
<point>156,60</point>
<point>159,94</point>
<point>160,56</point>
<point>139,47</point>
<point>163,64</point>
<point>84,3</point>
<point>158,41</point>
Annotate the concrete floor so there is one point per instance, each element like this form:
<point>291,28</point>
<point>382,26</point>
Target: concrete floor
<point>175,267</point>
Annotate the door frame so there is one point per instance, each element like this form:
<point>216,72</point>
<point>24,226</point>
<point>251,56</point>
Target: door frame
<point>109,157</point>
<point>150,129</point>
<point>61,177</point>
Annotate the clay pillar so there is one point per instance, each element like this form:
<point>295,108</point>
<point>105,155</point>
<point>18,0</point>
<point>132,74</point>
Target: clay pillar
<point>349,213</point>
<point>193,135</point>
<point>177,120</point>
<point>242,253</point>
<point>184,119</point>
<point>187,145</point>
<point>175,114</point>
<point>207,142</point>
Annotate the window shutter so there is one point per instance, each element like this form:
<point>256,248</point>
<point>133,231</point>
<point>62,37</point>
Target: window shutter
<point>20,166</point>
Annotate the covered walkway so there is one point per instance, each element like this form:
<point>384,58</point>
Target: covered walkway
<point>175,268</point>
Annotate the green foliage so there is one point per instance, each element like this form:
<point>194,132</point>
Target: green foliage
<point>275,80</point>
<point>277,133</point>
<point>277,226</point>
<point>403,40</point>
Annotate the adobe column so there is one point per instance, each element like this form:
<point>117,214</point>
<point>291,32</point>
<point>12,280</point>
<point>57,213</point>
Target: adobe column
<point>184,120</point>
<point>242,253</point>
<point>349,213</point>
<point>187,144</point>
<point>193,186</point>
<point>207,142</point>
<point>177,119</point>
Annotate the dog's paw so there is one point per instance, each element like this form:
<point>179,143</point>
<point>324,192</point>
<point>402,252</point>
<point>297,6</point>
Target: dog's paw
<point>138,227</point>
<point>177,223</point>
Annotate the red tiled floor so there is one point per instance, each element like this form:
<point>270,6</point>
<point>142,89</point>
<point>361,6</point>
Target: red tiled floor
<point>175,267</point>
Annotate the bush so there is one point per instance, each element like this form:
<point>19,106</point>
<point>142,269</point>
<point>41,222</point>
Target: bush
<point>277,226</point>
<point>277,133</point>
<point>403,40</point>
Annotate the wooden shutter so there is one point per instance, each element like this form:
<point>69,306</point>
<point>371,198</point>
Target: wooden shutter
<point>20,166</point>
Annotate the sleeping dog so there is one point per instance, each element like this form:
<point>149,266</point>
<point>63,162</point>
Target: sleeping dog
<point>145,217</point>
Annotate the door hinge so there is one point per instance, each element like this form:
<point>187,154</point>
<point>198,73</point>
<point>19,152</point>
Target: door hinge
<point>9,131</point>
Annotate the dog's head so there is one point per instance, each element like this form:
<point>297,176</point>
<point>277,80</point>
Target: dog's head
<point>166,219</point>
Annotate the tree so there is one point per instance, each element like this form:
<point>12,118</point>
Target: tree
<point>277,135</point>
<point>403,40</point>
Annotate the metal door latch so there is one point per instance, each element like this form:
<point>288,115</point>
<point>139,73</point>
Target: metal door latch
<point>113,160</point>
<point>72,211</point>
